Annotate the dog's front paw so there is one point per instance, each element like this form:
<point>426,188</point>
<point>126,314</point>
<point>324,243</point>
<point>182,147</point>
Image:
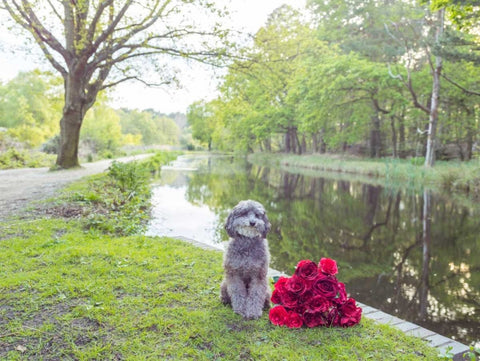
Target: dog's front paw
<point>253,314</point>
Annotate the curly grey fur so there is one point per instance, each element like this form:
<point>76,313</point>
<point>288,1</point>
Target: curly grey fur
<point>245,285</point>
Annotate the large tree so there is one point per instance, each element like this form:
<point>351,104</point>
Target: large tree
<point>97,44</point>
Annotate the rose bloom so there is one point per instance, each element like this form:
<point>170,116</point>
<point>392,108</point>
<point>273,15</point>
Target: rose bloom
<point>289,300</point>
<point>319,304</point>
<point>296,286</point>
<point>314,319</point>
<point>341,295</point>
<point>328,266</point>
<point>350,314</point>
<point>325,286</point>
<point>333,318</point>
<point>307,270</point>
<point>294,320</point>
<point>278,315</point>
<point>276,296</point>
<point>306,297</point>
<point>281,281</point>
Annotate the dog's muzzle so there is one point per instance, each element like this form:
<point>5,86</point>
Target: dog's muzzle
<point>249,231</point>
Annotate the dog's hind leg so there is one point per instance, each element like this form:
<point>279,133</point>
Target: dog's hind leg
<point>224,296</point>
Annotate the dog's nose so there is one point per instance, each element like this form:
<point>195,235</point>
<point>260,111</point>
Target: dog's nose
<point>252,223</point>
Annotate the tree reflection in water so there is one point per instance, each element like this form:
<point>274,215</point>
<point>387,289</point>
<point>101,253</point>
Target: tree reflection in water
<point>412,255</point>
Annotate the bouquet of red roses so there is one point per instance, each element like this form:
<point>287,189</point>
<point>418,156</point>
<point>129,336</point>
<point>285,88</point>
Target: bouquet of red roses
<point>313,297</point>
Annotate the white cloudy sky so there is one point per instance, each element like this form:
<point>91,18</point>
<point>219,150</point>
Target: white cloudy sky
<point>197,82</point>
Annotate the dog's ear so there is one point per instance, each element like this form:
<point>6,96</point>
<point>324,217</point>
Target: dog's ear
<point>268,225</point>
<point>229,224</point>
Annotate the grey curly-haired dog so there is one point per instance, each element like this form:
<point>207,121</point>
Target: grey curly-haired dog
<point>245,285</point>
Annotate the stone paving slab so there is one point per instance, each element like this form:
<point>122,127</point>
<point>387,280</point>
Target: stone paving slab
<point>444,345</point>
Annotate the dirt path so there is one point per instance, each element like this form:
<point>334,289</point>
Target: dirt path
<point>18,187</point>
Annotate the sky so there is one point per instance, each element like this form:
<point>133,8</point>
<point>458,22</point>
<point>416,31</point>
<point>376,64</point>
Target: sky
<point>197,82</point>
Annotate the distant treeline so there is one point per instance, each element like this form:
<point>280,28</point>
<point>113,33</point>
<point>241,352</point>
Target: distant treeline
<point>354,77</point>
<point>30,112</point>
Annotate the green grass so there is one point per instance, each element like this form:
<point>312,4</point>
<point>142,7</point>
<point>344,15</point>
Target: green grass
<point>71,295</point>
<point>69,291</point>
<point>461,178</point>
<point>13,158</point>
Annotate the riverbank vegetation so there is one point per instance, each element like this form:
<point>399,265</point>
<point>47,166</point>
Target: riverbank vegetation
<point>397,81</point>
<point>459,178</point>
<point>76,289</point>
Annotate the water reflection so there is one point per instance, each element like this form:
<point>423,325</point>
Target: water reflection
<point>413,255</point>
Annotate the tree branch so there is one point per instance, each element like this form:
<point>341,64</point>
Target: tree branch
<point>109,30</point>
<point>21,17</point>
<point>96,18</point>
<point>470,92</point>
<point>133,77</point>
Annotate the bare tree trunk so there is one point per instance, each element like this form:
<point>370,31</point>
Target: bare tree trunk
<point>433,116</point>
<point>287,141</point>
<point>394,137</point>
<point>304,144</point>
<point>375,137</point>
<point>314,143</point>
<point>73,113</point>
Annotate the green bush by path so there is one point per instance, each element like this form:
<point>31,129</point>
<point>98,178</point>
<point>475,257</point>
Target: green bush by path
<point>116,202</point>
<point>13,158</point>
<point>70,295</point>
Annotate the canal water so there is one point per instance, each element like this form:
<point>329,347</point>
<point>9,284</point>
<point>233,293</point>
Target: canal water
<point>413,255</point>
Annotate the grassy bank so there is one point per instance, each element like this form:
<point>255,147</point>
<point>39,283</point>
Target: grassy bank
<point>462,178</point>
<point>72,289</point>
<point>68,294</point>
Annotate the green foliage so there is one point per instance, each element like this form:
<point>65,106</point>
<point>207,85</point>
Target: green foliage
<point>353,78</point>
<point>155,162</point>
<point>30,106</point>
<point>101,130</point>
<point>200,117</point>
<point>75,295</point>
<point>131,177</point>
<point>13,158</point>
<point>151,127</point>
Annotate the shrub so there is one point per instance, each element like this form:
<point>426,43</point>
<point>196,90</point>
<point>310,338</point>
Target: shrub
<point>417,160</point>
<point>14,158</point>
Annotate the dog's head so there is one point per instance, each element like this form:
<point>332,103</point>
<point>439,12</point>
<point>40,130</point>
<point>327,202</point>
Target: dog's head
<point>248,219</point>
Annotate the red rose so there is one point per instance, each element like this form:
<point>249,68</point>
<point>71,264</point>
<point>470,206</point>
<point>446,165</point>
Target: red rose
<point>296,286</point>
<point>341,295</point>
<point>276,297</point>
<point>333,317</point>
<point>279,290</point>
<point>278,315</point>
<point>307,270</point>
<point>294,320</point>
<point>289,300</point>
<point>281,281</point>
<point>319,304</point>
<point>325,286</point>
<point>314,319</point>
<point>328,266</point>
<point>350,314</point>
